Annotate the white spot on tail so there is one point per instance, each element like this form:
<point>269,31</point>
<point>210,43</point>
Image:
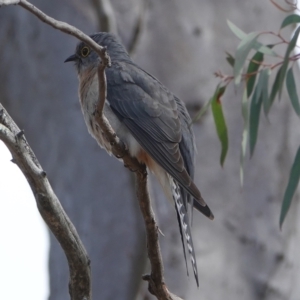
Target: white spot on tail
<point>184,223</point>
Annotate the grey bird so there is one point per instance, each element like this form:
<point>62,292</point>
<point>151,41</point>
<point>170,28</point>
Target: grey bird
<point>152,122</point>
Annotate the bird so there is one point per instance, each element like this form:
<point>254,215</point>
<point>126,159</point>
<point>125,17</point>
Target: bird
<point>150,120</point>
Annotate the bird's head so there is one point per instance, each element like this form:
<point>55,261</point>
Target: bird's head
<point>86,58</point>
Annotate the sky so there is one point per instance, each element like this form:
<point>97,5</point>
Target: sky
<point>24,245</point>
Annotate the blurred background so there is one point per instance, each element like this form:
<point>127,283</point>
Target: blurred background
<point>242,254</point>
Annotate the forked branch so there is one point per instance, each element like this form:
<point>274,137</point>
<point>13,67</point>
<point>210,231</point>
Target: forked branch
<point>48,203</point>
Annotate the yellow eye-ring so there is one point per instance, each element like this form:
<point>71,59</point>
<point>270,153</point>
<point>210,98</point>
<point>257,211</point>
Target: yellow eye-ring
<point>85,51</point>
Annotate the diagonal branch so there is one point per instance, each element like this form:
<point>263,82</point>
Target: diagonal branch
<point>49,207</point>
<point>62,26</point>
<point>46,199</point>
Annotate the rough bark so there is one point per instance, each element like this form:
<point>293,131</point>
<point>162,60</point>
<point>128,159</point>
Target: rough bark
<point>49,207</point>
<point>242,253</point>
<point>48,110</point>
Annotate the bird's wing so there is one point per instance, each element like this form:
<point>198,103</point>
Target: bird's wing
<point>150,112</point>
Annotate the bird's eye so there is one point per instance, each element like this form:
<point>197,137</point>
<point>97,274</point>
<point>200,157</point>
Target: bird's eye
<point>85,51</point>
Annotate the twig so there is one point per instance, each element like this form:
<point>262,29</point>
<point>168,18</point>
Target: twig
<point>62,26</point>
<point>49,207</point>
<point>156,279</point>
<point>292,5</point>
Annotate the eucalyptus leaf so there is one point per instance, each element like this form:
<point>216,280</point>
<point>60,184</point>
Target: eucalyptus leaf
<point>230,59</point>
<point>201,112</point>
<point>257,45</point>
<point>292,90</point>
<point>245,114</point>
<point>253,66</point>
<point>291,187</point>
<point>221,127</point>
<point>255,108</point>
<point>285,64</point>
<point>265,92</point>
<point>245,46</point>
<point>291,19</point>
<point>274,90</point>
<point>237,31</point>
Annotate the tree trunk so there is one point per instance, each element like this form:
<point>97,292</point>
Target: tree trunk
<point>242,253</point>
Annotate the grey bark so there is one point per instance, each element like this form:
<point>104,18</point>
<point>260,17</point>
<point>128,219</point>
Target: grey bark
<point>32,55</point>
<point>241,254</point>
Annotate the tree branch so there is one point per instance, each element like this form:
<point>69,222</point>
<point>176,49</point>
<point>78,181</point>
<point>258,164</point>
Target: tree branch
<point>49,207</point>
<point>62,26</point>
<point>156,279</point>
<point>48,203</point>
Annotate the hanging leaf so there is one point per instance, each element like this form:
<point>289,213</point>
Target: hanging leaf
<point>267,50</point>
<point>265,92</point>
<point>285,64</point>
<point>255,108</point>
<point>254,65</point>
<point>291,187</point>
<point>245,114</point>
<point>230,59</point>
<point>220,122</point>
<point>241,55</point>
<point>274,91</point>
<point>237,31</point>
<point>201,112</point>
<point>291,19</point>
<point>292,90</point>
<point>257,45</point>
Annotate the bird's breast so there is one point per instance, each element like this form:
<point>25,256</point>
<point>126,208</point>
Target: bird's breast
<point>89,95</point>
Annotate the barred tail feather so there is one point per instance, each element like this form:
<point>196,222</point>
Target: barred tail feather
<point>184,226</point>
<point>182,240</point>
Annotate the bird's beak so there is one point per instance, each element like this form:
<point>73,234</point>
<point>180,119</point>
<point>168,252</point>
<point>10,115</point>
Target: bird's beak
<point>71,58</point>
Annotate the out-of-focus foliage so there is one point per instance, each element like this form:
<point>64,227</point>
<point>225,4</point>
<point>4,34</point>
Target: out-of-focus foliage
<point>252,67</point>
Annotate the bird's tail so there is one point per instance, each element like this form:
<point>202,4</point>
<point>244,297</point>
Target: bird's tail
<point>184,226</point>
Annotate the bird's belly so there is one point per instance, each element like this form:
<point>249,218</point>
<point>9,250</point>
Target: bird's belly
<point>88,105</point>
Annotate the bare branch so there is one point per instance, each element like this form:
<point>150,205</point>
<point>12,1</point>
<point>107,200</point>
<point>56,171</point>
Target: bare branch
<point>105,15</point>
<point>62,26</point>
<point>46,198</point>
<point>156,280</point>
<point>49,207</point>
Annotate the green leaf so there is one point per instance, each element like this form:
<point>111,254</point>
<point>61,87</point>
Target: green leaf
<point>257,45</point>
<point>201,112</point>
<point>255,108</point>
<point>285,64</point>
<point>274,91</point>
<point>265,93</point>
<point>265,49</point>
<point>252,68</point>
<point>230,59</point>
<point>220,122</point>
<point>291,19</point>
<point>245,114</point>
<point>241,55</point>
<point>291,187</point>
<point>238,32</point>
<point>292,90</point>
